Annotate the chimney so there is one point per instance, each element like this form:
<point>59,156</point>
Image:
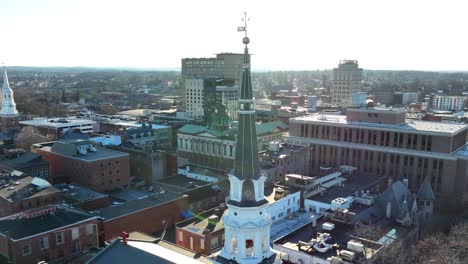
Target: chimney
<point>124,236</point>
<point>389,210</point>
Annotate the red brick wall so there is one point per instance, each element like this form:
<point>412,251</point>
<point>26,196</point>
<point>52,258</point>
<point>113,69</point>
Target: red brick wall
<point>183,240</point>
<point>104,174</point>
<point>53,252</point>
<point>147,221</point>
<point>9,208</point>
<point>95,204</point>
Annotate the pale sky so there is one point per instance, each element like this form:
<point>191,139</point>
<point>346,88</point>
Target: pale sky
<point>285,35</point>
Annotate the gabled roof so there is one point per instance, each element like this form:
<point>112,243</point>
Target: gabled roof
<point>425,191</point>
<point>396,195</point>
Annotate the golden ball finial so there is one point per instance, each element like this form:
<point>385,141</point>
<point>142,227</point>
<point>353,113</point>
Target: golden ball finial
<point>246,40</point>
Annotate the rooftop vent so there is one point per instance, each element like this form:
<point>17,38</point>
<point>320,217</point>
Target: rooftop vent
<point>213,218</point>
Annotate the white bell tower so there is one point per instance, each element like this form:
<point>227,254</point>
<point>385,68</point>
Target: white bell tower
<point>8,101</point>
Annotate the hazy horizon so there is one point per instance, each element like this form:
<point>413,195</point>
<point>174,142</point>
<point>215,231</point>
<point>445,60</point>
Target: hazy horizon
<point>285,36</point>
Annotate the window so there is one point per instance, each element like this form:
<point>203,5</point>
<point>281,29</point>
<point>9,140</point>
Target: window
<point>77,247</point>
<point>59,238</point>
<point>89,229</point>
<point>181,236</point>
<point>26,249</point>
<point>44,243</point>
<point>214,243</point>
<point>75,233</point>
<point>202,243</point>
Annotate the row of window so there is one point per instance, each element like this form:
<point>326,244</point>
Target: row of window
<point>110,163</point>
<point>366,136</point>
<point>110,172</point>
<point>381,163</point>
<point>59,239</point>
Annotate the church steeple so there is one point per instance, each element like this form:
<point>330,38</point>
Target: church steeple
<point>246,222</point>
<point>246,165</point>
<point>8,101</point>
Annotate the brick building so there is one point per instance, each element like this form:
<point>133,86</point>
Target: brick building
<point>203,233</point>
<point>381,142</point>
<point>149,166</point>
<point>47,234</point>
<point>55,128</point>
<point>79,161</point>
<point>149,215</point>
<point>284,158</point>
<point>83,197</point>
<point>25,161</point>
<point>18,194</point>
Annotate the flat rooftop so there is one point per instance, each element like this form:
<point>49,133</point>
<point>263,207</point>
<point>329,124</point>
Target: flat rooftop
<point>271,191</point>
<point>204,170</point>
<point>58,122</point>
<point>138,124</point>
<point>351,185</point>
<point>340,235</point>
<point>183,182</point>
<point>80,193</point>
<point>286,226</point>
<point>128,207</point>
<point>284,151</point>
<point>125,194</point>
<point>207,221</point>
<point>100,154</point>
<point>409,125</point>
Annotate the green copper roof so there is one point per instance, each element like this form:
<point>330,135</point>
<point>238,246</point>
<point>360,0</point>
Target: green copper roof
<point>194,129</point>
<point>265,128</point>
<point>261,129</point>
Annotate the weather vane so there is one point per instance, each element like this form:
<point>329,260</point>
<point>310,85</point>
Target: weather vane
<point>245,40</point>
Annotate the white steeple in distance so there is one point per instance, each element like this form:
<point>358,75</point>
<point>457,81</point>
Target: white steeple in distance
<point>8,102</point>
<point>246,222</point>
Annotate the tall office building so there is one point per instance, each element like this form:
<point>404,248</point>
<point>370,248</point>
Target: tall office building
<point>223,66</point>
<point>448,102</point>
<point>203,96</point>
<point>346,81</point>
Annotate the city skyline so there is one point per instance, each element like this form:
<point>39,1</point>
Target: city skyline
<point>305,35</point>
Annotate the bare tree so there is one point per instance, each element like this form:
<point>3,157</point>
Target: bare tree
<point>443,248</point>
<point>28,136</point>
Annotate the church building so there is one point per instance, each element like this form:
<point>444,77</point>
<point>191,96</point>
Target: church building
<point>247,222</point>
<point>8,115</point>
